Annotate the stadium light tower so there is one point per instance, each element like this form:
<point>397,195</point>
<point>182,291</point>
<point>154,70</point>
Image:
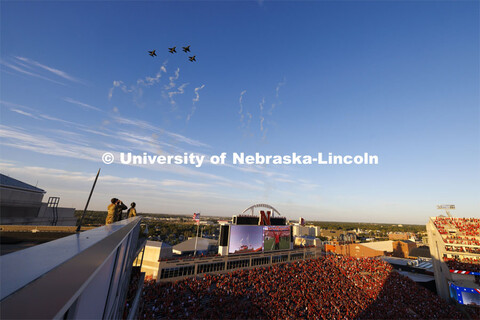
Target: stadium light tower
<point>447,208</point>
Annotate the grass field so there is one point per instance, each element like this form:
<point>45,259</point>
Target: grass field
<point>269,244</point>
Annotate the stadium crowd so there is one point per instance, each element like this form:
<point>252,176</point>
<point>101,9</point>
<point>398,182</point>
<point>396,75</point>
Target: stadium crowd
<point>132,290</point>
<point>462,240</point>
<point>463,249</point>
<point>332,287</point>
<point>466,226</point>
<point>464,264</point>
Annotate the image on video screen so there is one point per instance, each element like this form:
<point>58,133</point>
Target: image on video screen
<point>244,239</point>
<point>276,238</point>
<point>471,298</point>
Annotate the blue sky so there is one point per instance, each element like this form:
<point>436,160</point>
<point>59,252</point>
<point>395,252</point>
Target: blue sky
<point>395,79</point>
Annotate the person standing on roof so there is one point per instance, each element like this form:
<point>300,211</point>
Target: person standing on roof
<point>115,211</point>
<point>119,210</point>
<point>111,211</point>
<point>132,212</point>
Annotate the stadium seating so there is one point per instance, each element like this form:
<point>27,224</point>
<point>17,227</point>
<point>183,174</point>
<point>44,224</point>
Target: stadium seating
<point>332,287</point>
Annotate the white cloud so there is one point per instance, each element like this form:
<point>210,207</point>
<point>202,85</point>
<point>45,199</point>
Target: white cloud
<point>172,80</point>
<point>249,117</point>
<point>28,73</point>
<point>277,92</point>
<point>121,85</point>
<point>36,115</point>
<point>240,111</point>
<point>186,140</point>
<point>194,101</point>
<point>180,90</point>
<point>262,118</point>
<point>81,104</point>
<point>66,122</point>
<point>17,108</point>
<point>24,113</point>
<point>279,85</point>
<point>10,105</point>
<point>137,89</point>
<point>57,72</point>
<point>149,81</point>
<point>20,139</point>
<point>147,126</point>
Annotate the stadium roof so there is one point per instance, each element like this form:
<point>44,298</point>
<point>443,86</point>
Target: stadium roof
<point>417,277</point>
<point>6,181</point>
<point>421,264</point>
<point>203,244</point>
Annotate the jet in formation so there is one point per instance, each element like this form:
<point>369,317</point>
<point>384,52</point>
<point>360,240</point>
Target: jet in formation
<point>174,50</point>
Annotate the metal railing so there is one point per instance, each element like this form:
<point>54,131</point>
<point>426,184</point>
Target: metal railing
<point>84,275</point>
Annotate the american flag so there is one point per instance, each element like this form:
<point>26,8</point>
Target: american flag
<point>196,216</point>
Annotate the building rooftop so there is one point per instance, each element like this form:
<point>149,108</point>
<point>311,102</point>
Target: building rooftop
<point>157,244</point>
<point>420,263</point>
<point>6,181</point>
<point>417,277</point>
<point>203,244</point>
<point>18,237</point>
<point>423,251</point>
<point>380,245</point>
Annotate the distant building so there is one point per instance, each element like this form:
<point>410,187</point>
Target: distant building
<point>399,249</point>
<point>349,236</point>
<point>207,222</point>
<point>21,204</point>
<point>306,241</point>
<point>187,247</point>
<point>332,234</point>
<point>425,241</point>
<point>401,236</point>
<point>402,249</point>
<point>154,252</point>
<point>299,230</point>
<point>356,250</point>
<point>420,252</point>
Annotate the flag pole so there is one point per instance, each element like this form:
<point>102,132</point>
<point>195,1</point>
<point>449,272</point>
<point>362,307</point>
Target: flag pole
<point>196,238</point>
<point>88,201</point>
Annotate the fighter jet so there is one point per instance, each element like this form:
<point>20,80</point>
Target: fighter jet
<point>186,49</point>
<point>192,58</point>
<point>172,50</point>
<point>152,53</point>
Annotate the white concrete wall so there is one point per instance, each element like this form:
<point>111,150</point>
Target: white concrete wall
<point>9,195</point>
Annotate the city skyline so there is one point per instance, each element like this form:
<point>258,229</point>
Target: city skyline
<point>399,80</point>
